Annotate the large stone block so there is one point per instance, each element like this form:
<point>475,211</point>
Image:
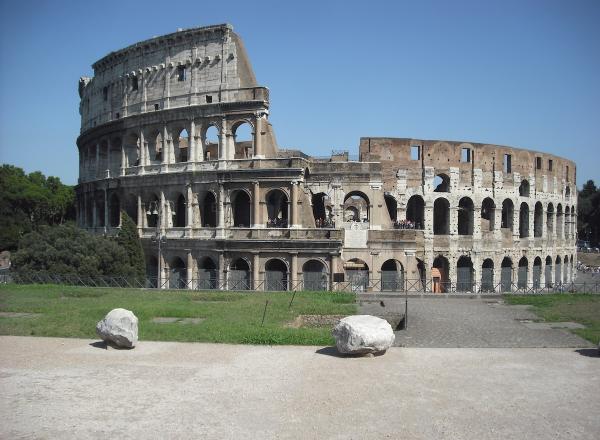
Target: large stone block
<point>120,327</point>
<point>363,334</point>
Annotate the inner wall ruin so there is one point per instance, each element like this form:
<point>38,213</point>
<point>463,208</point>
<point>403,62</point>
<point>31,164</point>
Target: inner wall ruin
<point>175,132</point>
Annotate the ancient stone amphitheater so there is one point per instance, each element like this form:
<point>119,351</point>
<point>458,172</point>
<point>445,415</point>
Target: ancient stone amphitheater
<point>175,132</point>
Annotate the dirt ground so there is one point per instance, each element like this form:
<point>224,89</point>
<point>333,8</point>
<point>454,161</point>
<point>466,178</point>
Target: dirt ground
<point>74,388</point>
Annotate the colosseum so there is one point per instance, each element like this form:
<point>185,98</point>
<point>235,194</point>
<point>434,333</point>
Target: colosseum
<point>175,132</point>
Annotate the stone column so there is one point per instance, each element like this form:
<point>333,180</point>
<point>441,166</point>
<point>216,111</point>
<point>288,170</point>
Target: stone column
<point>294,208</point>
<point>453,220</point>
<point>221,212</point>
<point>530,272</point>
<point>332,269</point>
<point>258,137</point>
<point>223,140</point>
<point>222,272</point>
<point>516,221</point>
<point>97,173</point>
<point>294,272</point>
<point>123,160</point>
<point>163,271</point>
<point>189,212</point>
<point>108,161</point>
<point>256,223</point>
<point>498,222</point>
<point>544,221</point>
<point>477,270</point>
<point>192,142</point>
<point>140,215</point>
<point>543,274</point>
<point>452,275</point>
<point>256,270</point>
<point>166,153</point>
<point>189,270</point>
<point>163,213</point>
<point>428,220</point>
<point>143,156</point>
<point>105,209</point>
<point>477,222</point>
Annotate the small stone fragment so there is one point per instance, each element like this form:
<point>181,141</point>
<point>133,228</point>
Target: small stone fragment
<point>120,327</point>
<point>362,334</point>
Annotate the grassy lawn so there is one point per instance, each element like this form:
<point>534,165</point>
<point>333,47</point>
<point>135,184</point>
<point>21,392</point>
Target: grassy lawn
<point>581,308</point>
<point>230,317</point>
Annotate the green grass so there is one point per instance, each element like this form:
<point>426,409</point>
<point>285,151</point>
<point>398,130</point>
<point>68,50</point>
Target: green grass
<point>581,308</point>
<point>230,317</point>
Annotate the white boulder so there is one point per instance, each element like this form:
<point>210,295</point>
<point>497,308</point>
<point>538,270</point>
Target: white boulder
<point>119,326</point>
<point>362,334</point>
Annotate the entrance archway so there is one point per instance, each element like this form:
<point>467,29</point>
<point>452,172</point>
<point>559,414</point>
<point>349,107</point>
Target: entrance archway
<point>207,274</point>
<point>240,205</point>
<point>357,274</point>
<point>392,275</point>
<point>276,275</point>
<point>439,275</point>
<point>177,274</point>
<point>506,272</point>
<point>464,274</point>
<point>238,276</point>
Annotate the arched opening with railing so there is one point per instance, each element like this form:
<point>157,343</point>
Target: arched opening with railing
<point>392,275</point>
<point>538,219</point>
<point>208,214</point>
<point>548,271</point>
<point>238,276</point>
<point>114,211</point>
<point>314,276</point>
<point>440,282</point>
<point>523,273</point>
<point>464,274</point>
<point>441,216</point>
<point>277,209</point>
<point>276,275</point>
<point>487,275</point>
<point>356,207</point>
<point>508,210</point>
<point>240,206</point>
<point>524,220</point>
<point>537,272</point>
<point>177,274</point>
<point>179,212</point>
<point>357,274</point>
<point>242,140</point>
<point>506,274</point>
<point>549,219</point>
<point>488,209</point>
<point>415,211</point>
<point>207,274</point>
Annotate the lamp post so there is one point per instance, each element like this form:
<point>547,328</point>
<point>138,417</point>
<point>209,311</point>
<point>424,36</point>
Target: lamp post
<point>156,208</point>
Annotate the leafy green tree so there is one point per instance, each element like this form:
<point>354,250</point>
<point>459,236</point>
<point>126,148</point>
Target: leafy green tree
<point>30,201</point>
<point>588,212</point>
<point>129,240</point>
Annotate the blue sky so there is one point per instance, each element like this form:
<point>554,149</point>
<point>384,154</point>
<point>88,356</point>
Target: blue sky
<point>519,73</point>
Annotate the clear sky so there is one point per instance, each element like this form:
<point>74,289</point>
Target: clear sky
<point>519,73</point>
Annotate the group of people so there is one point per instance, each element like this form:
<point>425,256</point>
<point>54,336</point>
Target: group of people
<point>588,269</point>
<point>324,223</point>
<point>277,223</point>
<point>406,224</point>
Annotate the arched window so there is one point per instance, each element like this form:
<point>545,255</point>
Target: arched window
<point>523,273</point>
<point>558,279</point>
<point>524,188</point>
<point>567,221</point>
<point>277,209</point>
<point>115,157</point>
<point>132,151</point>
<point>356,207</point>
<point>559,221</point>
<point>177,274</point>
<point>415,211</point>
<point>487,275</point>
<point>155,147</point>
<point>276,276</point>
<point>392,206</point>
<point>238,276</point>
<point>209,211</point>
<point>357,274</point>
<point>322,215</point>
<point>392,276</point>
<point>207,274</point>
<point>567,192</point>
<point>524,221</point>
<point>465,216</point>
<point>548,271</point>
<point>464,274</point>
<point>537,272</point>
<point>507,214</point>
<point>538,220</point>
<point>506,274</point>
<point>439,275</point>
<point>441,183</point>
<point>566,270</point>
<point>488,208</point>
<point>181,146</point>
<point>314,275</point>
<point>240,205</point>
<point>211,143</point>
<point>179,212</point>
<point>244,146</point>
<point>441,217</point>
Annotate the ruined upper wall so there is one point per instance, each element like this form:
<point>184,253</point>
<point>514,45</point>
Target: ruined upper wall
<point>189,67</point>
<point>395,154</point>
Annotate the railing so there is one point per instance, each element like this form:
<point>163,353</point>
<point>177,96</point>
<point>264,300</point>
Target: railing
<point>397,286</point>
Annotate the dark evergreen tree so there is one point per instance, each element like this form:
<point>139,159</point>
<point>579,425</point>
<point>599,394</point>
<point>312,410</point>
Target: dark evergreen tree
<point>129,240</point>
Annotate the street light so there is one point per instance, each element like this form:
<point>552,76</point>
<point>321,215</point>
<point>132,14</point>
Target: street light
<point>156,208</point>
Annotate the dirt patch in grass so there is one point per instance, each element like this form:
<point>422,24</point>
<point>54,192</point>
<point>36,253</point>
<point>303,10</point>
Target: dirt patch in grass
<point>175,320</point>
<point>316,321</point>
<point>19,315</point>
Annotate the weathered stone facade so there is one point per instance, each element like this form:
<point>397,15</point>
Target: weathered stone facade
<point>245,214</point>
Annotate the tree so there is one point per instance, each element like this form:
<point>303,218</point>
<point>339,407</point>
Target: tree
<point>68,250</point>
<point>588,212</point>
<point>129,240</point>
<point>30,201</point>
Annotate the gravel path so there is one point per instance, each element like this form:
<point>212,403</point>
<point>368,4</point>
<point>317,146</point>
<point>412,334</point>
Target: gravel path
<point>470,322</point>
<point>73,389</point>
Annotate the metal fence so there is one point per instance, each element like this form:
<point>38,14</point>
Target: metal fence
<point>242,282</point>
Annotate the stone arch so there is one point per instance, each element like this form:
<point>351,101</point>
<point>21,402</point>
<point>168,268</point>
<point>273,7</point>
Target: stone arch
<point>320,202</point>
<point>508,209</point>
<point>567,221</point>
<point>524,188</point>
<point>242,133</point>
<point>441,216</point>
<point>487,275</point>
<point>132,150</point>
<point>314,275</point>
<point>155,146</point>
<point>392,206</point>
<point>238,276</point>
<point>558,279</point>
<point>537,272</point>
<point>357,274</point>
<point>415,211</point>
<point>465,216</point>
<point>441,183</point>
<point>114,155</point>
<point>559,220</point>
<point>392,275</point>
<point>181,145</point>
<point>488,209</point>
<point>567,192</point>
<point>538,219</point>
<point>152,207</point>
<point>523,273</point>
<point>277,206</point>
<point>464,274</point>
<point>440,275</point>
<point>524,220</point>
<point>240,209</point>
<point>548,271</point>
<point>152,271</point>
<point>208,213</point>
<point>177,274</point>
<point>207,274</point>
<point>566,269</point>
<point>114,211</point>
<point>179,211</point>
<point>358,203</point>
<point>276,275</point>
<point>506,274</point>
